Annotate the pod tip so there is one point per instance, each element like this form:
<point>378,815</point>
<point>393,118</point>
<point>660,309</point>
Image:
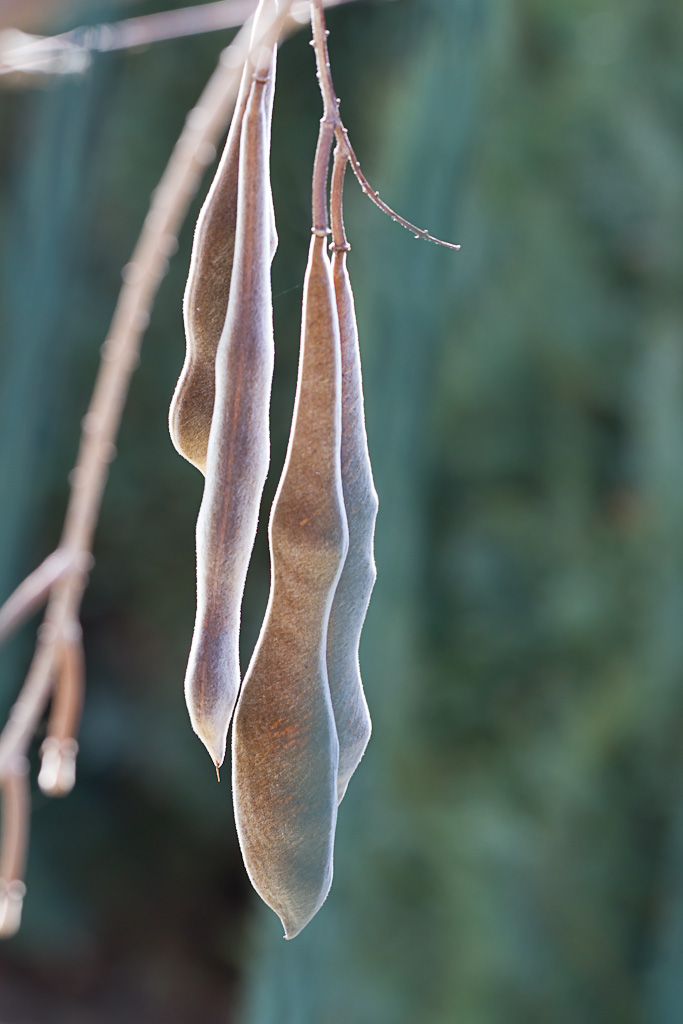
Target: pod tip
<point>214,743</point>
<point>293,926</point>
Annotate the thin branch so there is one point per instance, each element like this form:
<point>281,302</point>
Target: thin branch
<point>70,52</point>
<point>320,35</point>
<point>67,702</point>
<point>185,21</point>
<point>141,279</point>
<point>321,166</point>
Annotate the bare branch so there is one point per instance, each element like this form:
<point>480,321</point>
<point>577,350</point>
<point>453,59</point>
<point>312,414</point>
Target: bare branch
<point>70,52</point>
<point>320,35</point>
<point>67,702</point>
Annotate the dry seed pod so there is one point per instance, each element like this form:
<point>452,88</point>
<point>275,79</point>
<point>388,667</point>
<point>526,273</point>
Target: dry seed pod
<point>208,286</point>
<point>358,575</point>
<point>285,749</point>
<point>238,449</point>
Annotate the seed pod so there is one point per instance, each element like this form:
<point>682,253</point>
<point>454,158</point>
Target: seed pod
<point>238,448</point>
<point>208,287</point>
<point>358,575</point>
<point>285,749</point>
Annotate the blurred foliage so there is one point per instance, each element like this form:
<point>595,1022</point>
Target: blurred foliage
<point>511,850</point>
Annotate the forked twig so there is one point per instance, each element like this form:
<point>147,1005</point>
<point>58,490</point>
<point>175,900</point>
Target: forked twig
<point>33,591</point>
<point>331,102</point>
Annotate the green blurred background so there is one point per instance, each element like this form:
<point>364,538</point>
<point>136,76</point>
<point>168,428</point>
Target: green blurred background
<point>511,849</point>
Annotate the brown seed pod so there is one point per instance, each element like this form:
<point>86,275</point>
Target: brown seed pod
<point>285,749</point>
<point>239,445</point>
<point>208,286</point>
<point>358,575</point>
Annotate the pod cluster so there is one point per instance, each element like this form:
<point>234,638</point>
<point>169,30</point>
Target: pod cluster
<point>300,719</point>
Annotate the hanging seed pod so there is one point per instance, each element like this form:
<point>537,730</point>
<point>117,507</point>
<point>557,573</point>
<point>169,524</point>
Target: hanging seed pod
<point>285,749</point>
<point>208,285</point>
<point>358,575</point>
<point>239,445</point>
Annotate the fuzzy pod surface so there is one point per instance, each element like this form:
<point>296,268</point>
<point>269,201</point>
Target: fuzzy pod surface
<point>285,748</point>
<point>358,575</point>
<point>239,445</point>
<point>207,292</point>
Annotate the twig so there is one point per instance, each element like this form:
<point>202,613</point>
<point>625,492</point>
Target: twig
<point>141,279</point>
<point>69,52</point>
<point>155,28</point>
<point>331,103</point>
<point>14,834</point>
